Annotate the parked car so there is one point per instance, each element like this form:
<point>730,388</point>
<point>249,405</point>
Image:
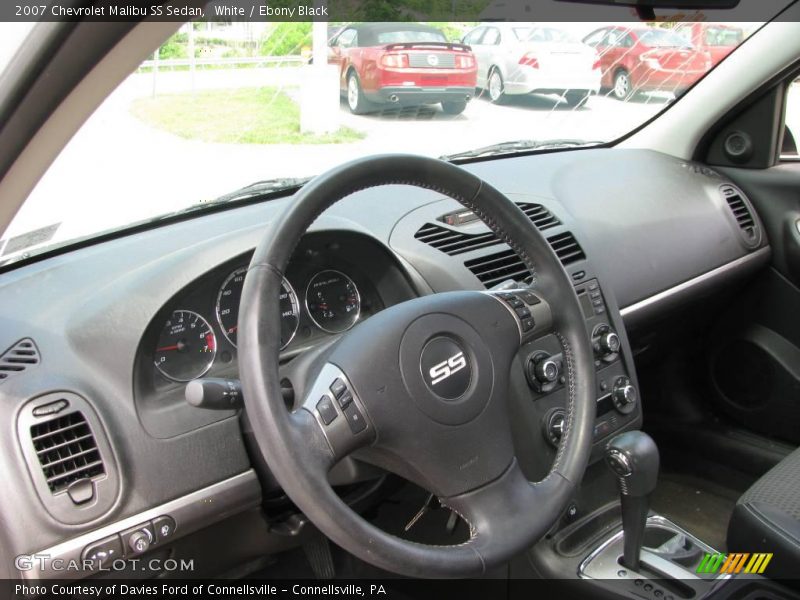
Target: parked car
<point>717,39</point>
<point>524,58</point>
<point>647,59</point>
<point>403,64</point>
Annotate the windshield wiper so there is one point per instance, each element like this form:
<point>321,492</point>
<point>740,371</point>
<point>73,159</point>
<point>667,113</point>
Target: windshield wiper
<point>518,145</point>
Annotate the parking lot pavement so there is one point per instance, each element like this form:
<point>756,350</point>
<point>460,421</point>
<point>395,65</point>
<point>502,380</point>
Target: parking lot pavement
<point>118,170</point>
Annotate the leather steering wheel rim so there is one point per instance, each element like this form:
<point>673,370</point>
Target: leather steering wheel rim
<point>484,484</point>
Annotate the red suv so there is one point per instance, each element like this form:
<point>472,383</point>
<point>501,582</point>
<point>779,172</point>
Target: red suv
<point>402,64</point>
<point>646,59</point>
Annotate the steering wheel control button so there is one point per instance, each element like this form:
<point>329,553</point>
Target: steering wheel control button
<point>104,552</point>
<point>338,387</point>
<point>355,419</point>
<point>139,539</point>
<point>528,324</point>
<point>345,399</point>
<point>445,368</point>
<point>523,312</point>
<point>529,298</point>
<point>326,409</point>
<point>515,302</point>
<point>164,528</point>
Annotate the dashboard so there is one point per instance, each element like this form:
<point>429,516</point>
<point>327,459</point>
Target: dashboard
<point>118,328</point>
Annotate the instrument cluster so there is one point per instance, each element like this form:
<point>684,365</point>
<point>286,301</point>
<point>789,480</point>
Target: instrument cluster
<point>325,292</point>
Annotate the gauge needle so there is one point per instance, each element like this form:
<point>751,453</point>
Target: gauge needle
<point>165,348</point>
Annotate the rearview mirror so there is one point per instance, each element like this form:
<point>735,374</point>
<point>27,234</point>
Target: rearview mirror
<point>664,4</point>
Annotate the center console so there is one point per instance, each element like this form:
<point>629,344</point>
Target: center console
<point>543,411</point>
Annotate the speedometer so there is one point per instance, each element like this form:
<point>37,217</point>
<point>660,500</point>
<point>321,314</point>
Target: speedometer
<point>230,293</point>
<point>186,346</point>
<point>333,301</point>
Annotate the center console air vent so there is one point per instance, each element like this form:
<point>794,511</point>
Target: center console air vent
<point>19,357</point>
<point>743,213</point>
<point>70,460</point>
<point>500,266</point>
<point>454,242</point>
<point>67,450</point>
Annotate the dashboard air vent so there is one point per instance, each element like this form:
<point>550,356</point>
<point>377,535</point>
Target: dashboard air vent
<point>501,266</point>
<point>566,248</point>
<point>742,213</point>
<point>67,450</point>
<point>454,242</point>
<point>17,358</point>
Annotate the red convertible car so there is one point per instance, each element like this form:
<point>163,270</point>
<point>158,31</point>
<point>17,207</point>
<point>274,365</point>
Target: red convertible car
<point>402,64</point>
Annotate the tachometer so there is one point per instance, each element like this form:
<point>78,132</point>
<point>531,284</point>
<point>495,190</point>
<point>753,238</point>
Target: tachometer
<point>186,346</point>
<point>333,301</point>
<point>230,293</point>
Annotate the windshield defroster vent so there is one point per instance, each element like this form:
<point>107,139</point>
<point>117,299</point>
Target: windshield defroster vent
<point>67,450</point>
<point>501,266</point>
<point>743,213</point>
<point>17,358</point>
<point>454,242</point>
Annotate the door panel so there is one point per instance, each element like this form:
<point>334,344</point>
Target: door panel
<point>754,358</point>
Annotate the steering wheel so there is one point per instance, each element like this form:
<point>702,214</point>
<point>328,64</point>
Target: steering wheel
<point>421,387</point>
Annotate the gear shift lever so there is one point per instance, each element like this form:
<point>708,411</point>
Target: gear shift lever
<point>633,457</point>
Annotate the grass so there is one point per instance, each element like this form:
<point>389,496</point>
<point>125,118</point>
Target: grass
<point>239,116</point>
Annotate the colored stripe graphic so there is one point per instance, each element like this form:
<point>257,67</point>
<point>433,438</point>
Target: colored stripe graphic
<point>734,563</point>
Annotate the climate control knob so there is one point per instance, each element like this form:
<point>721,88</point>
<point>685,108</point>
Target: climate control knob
<point>609,343</point>
<point>546,370</point>
<point>543,371</point>
<point>553,426</point>
<point>624,395</point>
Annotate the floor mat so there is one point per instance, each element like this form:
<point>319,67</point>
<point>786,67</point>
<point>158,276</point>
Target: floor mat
<point>700,507</point>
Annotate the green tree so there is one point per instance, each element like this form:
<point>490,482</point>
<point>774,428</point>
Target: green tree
<point>285,39</point>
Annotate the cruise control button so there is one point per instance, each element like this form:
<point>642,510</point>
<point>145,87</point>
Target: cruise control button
<point>345,399</point>
<point>523,313</point>
<point>326,409</point>
<point>515,302</point>
<point>527,325</point>
<point>164,526</point>
<point>338,387</point>
<point>104,552</point>
<point>355,419</point>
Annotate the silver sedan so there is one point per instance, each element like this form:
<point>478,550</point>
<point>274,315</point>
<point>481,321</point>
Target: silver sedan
<point>526,58</point>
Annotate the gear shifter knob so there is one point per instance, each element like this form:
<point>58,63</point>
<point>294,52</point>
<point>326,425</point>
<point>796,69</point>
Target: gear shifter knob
<point>633,457</point>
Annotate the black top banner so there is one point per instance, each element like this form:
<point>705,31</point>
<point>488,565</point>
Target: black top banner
<point>342,11</point>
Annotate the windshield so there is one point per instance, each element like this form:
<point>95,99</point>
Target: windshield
<point>660,38</point>
<point>549,34</point>
<point>224,105</point>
